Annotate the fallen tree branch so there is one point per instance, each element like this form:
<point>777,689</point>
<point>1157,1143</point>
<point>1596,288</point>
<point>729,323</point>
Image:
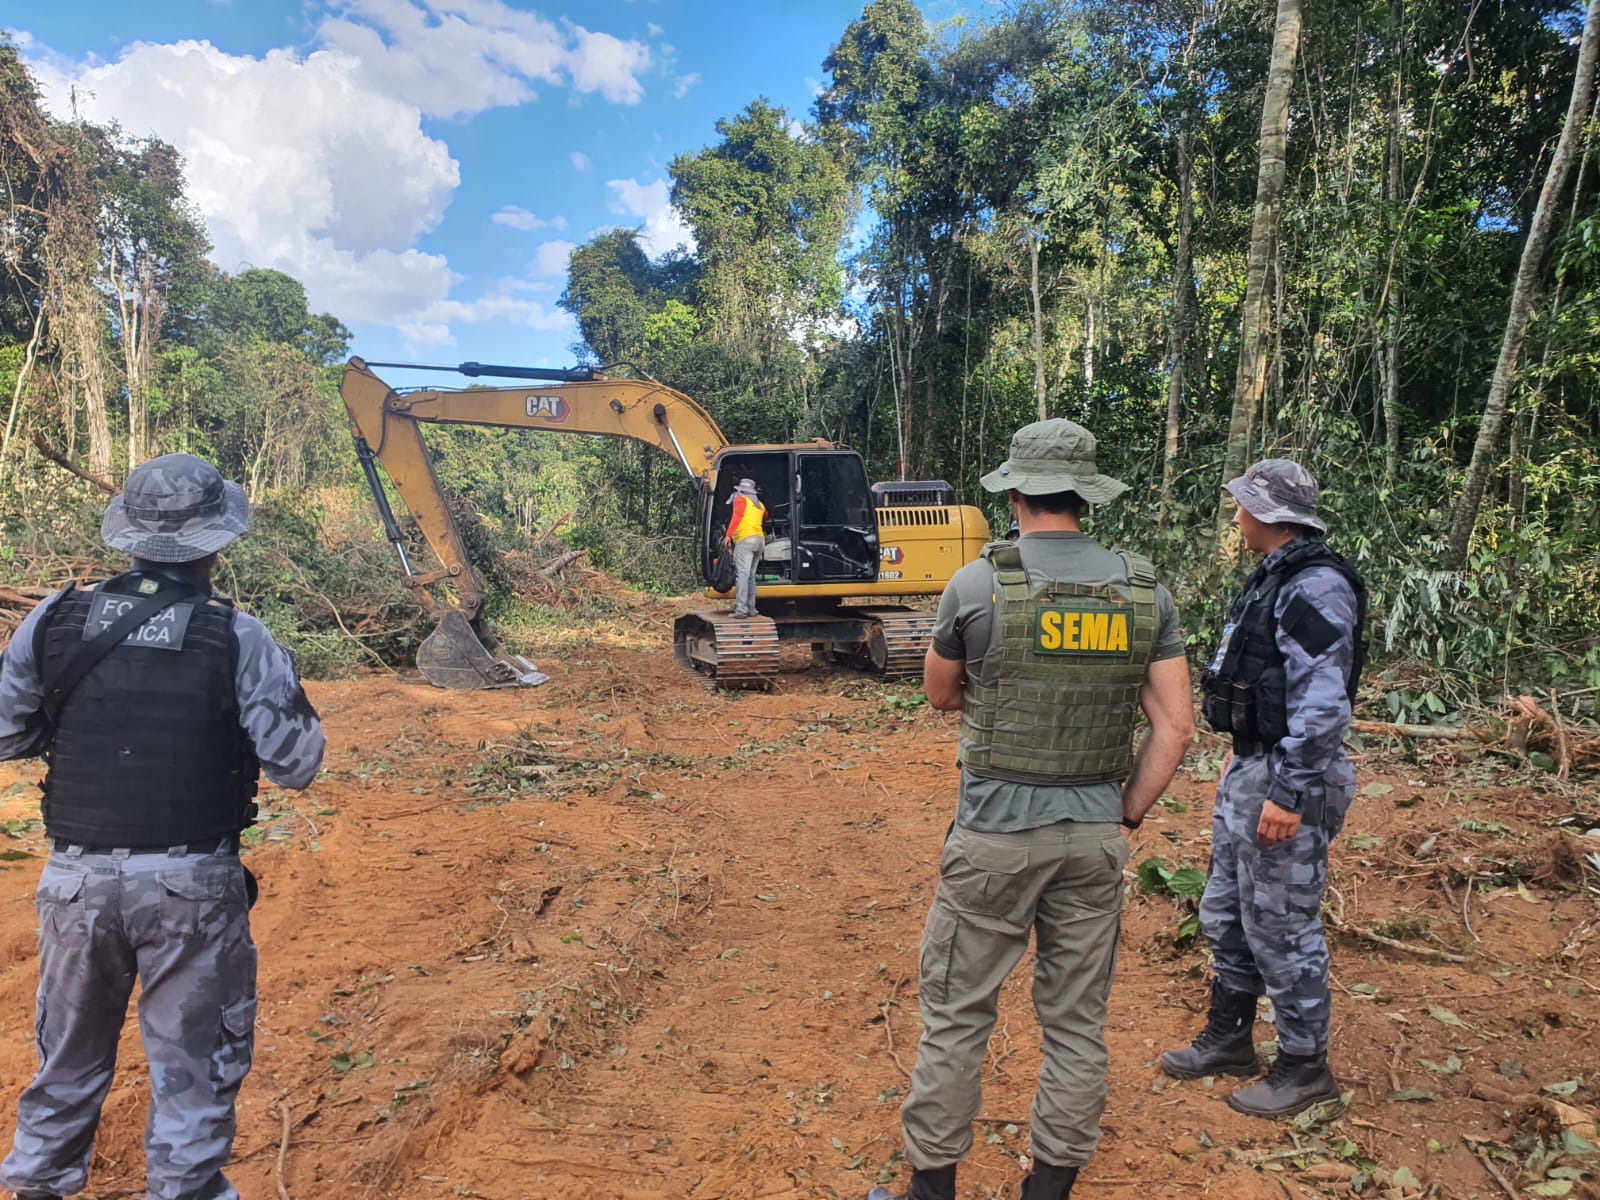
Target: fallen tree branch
<point>1494,1172</point>
<point>283,1152</point>
<point>1373,935</point>
<point>889,1035</point>
<point>562,562</point>
<point>1443,733</point>
<point>66,464</point>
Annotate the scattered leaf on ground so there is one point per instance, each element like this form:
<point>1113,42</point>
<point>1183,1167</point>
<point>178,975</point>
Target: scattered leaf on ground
<point>1445,1017</point>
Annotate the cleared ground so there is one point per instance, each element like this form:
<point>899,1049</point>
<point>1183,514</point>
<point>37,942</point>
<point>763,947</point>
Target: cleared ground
<point>626,937</point>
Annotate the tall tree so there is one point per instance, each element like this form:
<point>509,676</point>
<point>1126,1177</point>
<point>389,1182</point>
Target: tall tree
<point>1465,514</point>
<point>150,243</point>
<point>1255,326</point>
<point>768,206</point>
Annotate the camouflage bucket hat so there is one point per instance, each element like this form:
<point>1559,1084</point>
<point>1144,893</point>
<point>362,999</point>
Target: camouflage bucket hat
<point>175,508</point>
<point>1054,456</point>
<point>1278,491</point>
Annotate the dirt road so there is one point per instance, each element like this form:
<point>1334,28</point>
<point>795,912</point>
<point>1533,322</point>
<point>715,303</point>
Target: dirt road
<point>626,937</point>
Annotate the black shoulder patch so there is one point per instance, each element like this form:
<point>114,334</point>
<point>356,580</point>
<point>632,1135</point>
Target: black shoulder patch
<point>1307,626</point>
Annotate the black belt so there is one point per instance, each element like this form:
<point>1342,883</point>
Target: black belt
<point>216,845</point>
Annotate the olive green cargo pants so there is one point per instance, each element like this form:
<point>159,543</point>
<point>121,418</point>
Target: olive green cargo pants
<point>1062,884</point>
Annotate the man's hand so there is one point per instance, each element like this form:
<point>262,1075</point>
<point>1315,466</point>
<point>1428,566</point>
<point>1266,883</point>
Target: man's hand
<point>1277,824</point>
<point>727,543</point>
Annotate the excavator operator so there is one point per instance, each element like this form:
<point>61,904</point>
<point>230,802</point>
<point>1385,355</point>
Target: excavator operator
<point>746,539</point>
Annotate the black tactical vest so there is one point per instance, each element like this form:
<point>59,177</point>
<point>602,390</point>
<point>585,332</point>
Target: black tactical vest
<point>148,750</point>
<point>1246,694</point>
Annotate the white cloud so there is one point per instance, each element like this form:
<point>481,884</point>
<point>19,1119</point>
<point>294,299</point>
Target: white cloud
<point>454,57</point>
<point>796,130</point>
<point>580,160</point>
<point>317,164</point>
<point>608,65</point>
<point>334,188</point>
<point>433,326</point>
<point>663,230</point>
<point>653,29</point>
<point>681,86</point>
<point>552,258</point>
<point>514,216</point>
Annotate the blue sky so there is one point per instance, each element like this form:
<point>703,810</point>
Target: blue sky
<point>425,165</point>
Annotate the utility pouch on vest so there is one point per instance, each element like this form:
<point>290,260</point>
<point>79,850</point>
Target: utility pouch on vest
<point>74,672</point>
<point>1065,664</point>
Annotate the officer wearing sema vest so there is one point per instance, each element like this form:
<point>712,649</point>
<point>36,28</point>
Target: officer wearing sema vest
<point>156,705</point>
<point>1281,683</point>
<point>1047,647</point>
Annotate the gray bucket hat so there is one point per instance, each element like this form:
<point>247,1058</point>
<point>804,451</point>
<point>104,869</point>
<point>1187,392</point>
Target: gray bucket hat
<point>175,509</point>
<point>1278,491</point>
<point>745,487</point>
<point>1054,456</point>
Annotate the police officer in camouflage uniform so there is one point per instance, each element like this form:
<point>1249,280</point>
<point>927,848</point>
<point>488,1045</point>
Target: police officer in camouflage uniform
<point>1047,647</point>
<point>1281,684</point>
<point>156,705</point>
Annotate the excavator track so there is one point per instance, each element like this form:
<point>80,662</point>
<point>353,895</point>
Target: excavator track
<point>900,641</point>
<point>737,652</point>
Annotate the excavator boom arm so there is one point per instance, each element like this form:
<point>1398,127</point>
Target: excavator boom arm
<point>386,426</point>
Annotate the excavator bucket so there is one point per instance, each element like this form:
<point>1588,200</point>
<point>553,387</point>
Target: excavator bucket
<point>453,656</point>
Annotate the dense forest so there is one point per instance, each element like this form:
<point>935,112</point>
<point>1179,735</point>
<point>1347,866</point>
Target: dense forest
<point>1361,233</point>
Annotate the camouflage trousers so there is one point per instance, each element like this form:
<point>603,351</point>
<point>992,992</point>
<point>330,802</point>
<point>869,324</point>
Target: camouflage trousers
<point>179,924</point>
<point>1261,912</point>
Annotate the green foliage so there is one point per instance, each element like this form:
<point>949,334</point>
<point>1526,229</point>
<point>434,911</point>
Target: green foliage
<point>1157,878</point>
<point>954,151</point>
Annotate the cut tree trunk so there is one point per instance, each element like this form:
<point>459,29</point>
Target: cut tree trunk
<point>1465,515</point>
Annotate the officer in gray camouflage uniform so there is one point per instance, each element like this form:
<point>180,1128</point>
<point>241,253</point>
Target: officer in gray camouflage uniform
<point>1281,684</point>
<point>1048,648</point>
<point>156,705</point>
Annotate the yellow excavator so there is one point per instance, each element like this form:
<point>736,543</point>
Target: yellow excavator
<point>831,535</point>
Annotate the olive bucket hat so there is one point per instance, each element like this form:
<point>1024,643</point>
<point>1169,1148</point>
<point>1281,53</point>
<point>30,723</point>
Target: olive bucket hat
<point>1278,491</point>
<point>174,509</point>
<point>1054,456</point>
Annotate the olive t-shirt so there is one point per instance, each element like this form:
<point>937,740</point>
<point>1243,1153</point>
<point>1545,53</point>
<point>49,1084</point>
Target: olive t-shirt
<point>961,632</point>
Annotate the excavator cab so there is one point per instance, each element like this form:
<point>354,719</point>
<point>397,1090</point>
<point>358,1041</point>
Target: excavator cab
<point>821,527</point>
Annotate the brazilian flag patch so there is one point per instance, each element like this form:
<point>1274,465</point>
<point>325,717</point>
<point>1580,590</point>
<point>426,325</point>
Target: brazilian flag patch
<point>1088,632</point>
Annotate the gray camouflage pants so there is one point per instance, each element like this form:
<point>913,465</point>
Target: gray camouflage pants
<point>1061,885</point>
<point>1261,912</point>
<point>179,924</point>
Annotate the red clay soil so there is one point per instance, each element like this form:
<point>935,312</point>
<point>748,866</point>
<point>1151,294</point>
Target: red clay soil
<point>624,936</point>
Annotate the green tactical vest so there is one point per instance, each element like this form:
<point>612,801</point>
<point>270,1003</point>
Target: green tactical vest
<point>1063,671</point>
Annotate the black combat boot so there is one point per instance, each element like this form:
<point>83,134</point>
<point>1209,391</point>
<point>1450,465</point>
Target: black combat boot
<point>1225,1046</point>
<point>1049,1182</point>
<point>937,1184</point>
<point>1293,1085</point>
